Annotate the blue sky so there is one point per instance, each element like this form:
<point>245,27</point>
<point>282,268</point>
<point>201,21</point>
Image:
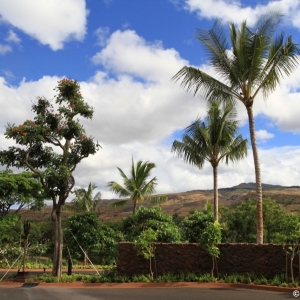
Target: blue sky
<point>124,53</point>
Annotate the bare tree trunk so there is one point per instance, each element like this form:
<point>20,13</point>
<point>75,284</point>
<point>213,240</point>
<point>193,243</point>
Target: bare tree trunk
<point>58,241</point>
<point>151,272</point>
<point>134,206</point>
<point>259,208</point>
<point>24,255</point>
<point>216,200</point>
<point>85,255</point>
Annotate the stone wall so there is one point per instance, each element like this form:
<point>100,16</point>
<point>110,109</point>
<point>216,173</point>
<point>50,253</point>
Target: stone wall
<point>191,258</point>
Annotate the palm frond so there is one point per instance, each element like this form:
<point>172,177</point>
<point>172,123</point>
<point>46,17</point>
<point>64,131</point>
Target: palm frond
<point>213,140</point>
<point>84,200</point>
<point>199,82</point>
<point>119,204</point>
<point>118,189</point>
<point>136,187</point>
<point>282,61</point>
<point>156,200</point>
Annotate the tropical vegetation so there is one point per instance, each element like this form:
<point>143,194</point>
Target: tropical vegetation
<point>84,200</point>
<point>247,62</point>
<point>51,146</point>
<point>136,186</point>
<point>213,140</point>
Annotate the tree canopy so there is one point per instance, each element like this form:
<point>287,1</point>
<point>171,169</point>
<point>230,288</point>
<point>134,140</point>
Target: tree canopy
<point>136,187</point>
<point>213,139</point>
<point>51,146</point>
<point>84,200</point>
<point>246,61</point>
<point>18,190</point>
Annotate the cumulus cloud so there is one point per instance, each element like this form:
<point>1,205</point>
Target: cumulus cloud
<point>8,73</point>
<point>128,53</point>
<point>5,49</point>
<point>235,11</point>
<point>102,35</point>
<point>137,111</point>
<point>282,106</point>
<point>50,22</point>
<point>13,37</point>
<point>263,135</point>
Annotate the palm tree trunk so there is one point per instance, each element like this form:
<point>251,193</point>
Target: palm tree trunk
<point>216,200</point>
<point>134,206</point>
<point>259,208</point>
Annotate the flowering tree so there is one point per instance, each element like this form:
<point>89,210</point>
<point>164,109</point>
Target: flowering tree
<point>51,146</point>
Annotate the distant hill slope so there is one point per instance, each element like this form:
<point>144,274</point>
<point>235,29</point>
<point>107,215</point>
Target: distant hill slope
<point>265,186</point>
<point>185,202</point>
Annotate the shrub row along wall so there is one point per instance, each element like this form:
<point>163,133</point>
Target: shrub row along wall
<point>191,258</point>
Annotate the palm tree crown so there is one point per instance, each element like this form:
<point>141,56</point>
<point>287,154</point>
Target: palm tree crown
<point>136,187</point>
<point>84,200</point>
<point>212,141</point>
<point>251,61</point>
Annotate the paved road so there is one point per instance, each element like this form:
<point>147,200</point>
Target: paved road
<point>52,293</point>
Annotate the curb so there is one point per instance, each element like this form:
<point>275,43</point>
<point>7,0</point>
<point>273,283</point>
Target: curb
<point>10,284</point>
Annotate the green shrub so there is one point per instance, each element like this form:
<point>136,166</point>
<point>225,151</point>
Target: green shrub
<point>276,281</point>
<point>261,280</point>
<point>141,278</point>
<point>206,278</point>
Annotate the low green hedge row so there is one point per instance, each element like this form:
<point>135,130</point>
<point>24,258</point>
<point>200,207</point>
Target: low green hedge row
<point>109,276</point>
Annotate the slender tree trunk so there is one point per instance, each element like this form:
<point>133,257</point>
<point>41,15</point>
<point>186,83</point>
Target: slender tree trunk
<point>134,206</point>
<point>259,208</point>
<point>85,255</point>
<point>151,272</point>
<point>58,241</point>
<point>25,249</point>
<point>216,199</point>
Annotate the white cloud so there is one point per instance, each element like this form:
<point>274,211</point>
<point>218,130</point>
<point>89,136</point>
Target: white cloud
<point>128,53</point>
<point>263,134</point>
<point>282,106</point>
<point>5,49</point>
<point>50,22</point>
<point>8,73</point>
<point>102,35</point>
<point>137,118</point>
<point>13,37</point>
<point>235,11</point>
<point>120,140</point>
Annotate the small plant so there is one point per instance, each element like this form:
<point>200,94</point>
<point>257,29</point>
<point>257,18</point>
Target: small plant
<point>206,278</point>
<point>209,239</point>
<point>276,281</point>
<point>122,279</point>
<point>261,280</point>
<point>191,277</point>
<point>142,278</point>
<point>293,284</point>
<point>145,246</point>
<point>231,278</point>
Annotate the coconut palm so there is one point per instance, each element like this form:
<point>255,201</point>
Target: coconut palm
<point>84,200</point>
<point>213,141</point>
<point>252,61</point>
<point>136,187</point>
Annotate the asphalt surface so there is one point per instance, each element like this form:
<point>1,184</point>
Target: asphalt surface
<point>52,293</point>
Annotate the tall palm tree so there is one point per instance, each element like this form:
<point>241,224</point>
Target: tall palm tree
<point>136,186</point>
<point>213,141</point>
<point>252,61</point>
<point>84,200</point>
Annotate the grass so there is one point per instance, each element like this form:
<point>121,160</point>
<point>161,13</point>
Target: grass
<point>109,276</point>
<point>48,265</point>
